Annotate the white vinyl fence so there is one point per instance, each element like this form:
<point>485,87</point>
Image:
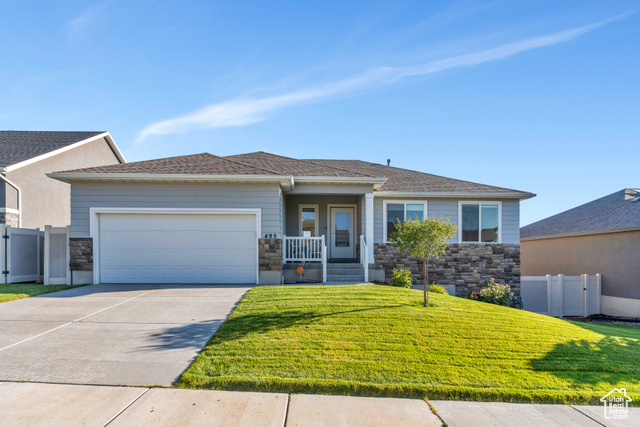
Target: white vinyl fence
<point>20,252</point>
<point>31,255</point>
<point>562,295</point>
<point>56,259</point>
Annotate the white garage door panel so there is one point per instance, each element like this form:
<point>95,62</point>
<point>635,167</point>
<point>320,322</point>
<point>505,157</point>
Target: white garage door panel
<point>168,248</point>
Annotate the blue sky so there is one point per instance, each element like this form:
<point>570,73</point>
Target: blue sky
<point>541,96</point>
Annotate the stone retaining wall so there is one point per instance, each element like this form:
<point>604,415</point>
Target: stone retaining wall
<point>463,265</point>
<point>270,251</point>
<point>81,253</point>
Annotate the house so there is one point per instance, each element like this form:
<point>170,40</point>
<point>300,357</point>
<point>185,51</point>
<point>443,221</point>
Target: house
<point>27,197</point>
<point>194,219</point>
<point>602,236</point>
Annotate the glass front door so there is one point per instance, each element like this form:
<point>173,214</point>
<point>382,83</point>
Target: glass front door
<point>342,233</point>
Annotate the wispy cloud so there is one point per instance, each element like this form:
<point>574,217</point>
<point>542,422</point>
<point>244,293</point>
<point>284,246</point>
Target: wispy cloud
<point>245,111</point>
<point>79,25</point>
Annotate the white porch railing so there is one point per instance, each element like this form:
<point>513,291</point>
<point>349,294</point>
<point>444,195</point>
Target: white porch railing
<point>303,249</point>
<point>364,257</point>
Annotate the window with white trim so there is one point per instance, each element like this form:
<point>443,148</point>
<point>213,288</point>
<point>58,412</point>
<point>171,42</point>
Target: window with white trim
<point>308,220</point>
<point>480,222</point>
<point>399,211</point>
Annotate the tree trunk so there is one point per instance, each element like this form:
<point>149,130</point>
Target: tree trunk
<point>425,280</point>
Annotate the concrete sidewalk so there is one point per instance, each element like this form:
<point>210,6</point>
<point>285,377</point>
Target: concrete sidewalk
<point>29,404</point>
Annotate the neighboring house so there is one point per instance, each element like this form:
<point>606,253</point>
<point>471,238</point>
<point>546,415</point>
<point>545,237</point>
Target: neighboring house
<point>602,236</point>
<point>27,197</point>
<point>193,219</point>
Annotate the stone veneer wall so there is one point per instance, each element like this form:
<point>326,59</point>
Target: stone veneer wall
<point>9,218</point>
<point>81,253</point>
<point>270,251</point>
<point>463,265</point>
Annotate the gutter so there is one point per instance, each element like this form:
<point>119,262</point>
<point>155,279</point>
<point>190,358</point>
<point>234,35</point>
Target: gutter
<point>519,195</point>
<point>3,172</point>
<point>286,182</point>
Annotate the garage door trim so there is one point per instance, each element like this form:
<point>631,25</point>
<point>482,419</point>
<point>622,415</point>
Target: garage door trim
<point>94,226</point>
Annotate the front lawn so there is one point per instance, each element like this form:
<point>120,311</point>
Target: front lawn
<point>21,290</point>
<point>379,341</point>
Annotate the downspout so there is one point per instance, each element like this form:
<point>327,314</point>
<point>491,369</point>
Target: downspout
<point>3,173</point>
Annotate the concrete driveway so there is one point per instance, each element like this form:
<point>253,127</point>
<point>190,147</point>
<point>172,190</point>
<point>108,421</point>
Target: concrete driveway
<point>111,334</point>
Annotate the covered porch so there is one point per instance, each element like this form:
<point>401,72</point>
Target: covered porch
<point>330,234</point>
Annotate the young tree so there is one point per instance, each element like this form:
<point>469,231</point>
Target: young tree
<point>424,240</point>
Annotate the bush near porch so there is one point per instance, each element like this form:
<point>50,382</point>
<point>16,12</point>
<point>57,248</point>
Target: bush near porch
<point>379,341</point>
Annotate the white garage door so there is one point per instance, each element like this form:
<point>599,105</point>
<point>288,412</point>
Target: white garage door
<point>168,248</point>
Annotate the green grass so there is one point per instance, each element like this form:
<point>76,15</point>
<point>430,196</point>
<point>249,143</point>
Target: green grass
<point>18,291</point>
<point>379,341</point>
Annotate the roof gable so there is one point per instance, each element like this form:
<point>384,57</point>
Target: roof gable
<point>19,146</point>
<point>613,212</point>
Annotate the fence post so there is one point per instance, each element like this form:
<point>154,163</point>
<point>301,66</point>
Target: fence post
<point>47,255</point>
<point>560,295</point>
<point>38,252</point>
<point>599,280</point>
<point>3,253</point>
<point>68,257</point>
<point>585,291</point>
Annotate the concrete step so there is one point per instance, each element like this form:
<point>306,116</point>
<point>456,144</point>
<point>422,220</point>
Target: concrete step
<point>345,266</point>
<point>345,278</point>
<point>345,271</point>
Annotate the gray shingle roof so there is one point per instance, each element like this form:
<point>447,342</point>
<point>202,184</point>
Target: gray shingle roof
<point>406,180</point>
<point>615,211</point>
<point>295,167</point>
<point>18,146</point>
<point>261,163</point>
<point>195,164</point>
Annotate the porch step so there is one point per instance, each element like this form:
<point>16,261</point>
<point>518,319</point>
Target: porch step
<point>343,266</point>
<point>345,278</point>
<point>345,272</point>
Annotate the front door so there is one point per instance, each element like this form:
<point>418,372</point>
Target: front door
<point>342,233</point>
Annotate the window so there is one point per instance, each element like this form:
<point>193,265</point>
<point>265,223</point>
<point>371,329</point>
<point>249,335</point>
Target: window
<point>308,220</point>
<point>479,222</point>
<point>398,211</point>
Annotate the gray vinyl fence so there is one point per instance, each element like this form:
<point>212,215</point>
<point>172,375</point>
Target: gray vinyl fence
<point>20,254</point>
<point>562,295</point>
<point>31,255</point>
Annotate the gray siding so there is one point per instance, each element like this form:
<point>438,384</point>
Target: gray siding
<point>448,208</point>
<point>173,195</point>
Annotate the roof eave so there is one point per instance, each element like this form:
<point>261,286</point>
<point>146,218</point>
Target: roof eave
<point>284,181</point>
<point>454,195</point>
<point>377,182</point>
<point>579,233</point>
<point>105,135</point>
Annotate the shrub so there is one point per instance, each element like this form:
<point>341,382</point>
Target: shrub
<point>437,289</point>
<point>494,293</point>
<point>401,278</point>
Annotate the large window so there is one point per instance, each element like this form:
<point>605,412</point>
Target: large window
<point>479,222</point>
<point>395,212</point>
<point>308,215</point>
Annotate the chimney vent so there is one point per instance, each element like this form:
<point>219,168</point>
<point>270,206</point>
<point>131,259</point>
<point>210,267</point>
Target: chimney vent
<point>388,162</point>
